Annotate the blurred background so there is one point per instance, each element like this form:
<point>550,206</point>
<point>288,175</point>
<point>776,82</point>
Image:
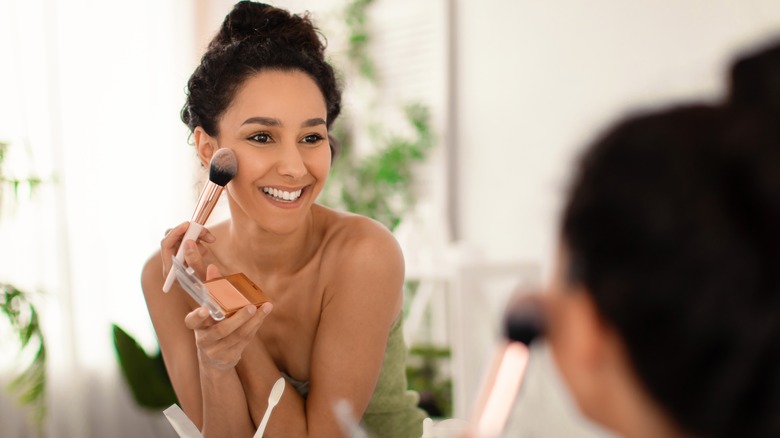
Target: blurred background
<point>487,104</point>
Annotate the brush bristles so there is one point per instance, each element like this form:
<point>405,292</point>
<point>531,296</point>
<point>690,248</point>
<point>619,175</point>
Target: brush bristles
<point>524,320</point>
<point>223,167</point>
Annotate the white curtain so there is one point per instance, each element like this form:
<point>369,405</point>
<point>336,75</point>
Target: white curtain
<point>89,99</point>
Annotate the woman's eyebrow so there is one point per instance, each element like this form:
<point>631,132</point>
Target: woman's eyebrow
<point>312,122</point>
<point>269,121</point>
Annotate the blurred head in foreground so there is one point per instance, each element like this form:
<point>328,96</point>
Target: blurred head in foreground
<point>665,308</point>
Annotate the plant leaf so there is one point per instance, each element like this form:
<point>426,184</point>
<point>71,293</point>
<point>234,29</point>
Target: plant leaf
<point>145,375</point>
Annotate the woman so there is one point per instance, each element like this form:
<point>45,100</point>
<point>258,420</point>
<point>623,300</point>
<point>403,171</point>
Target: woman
<point>332,328</point>
<point>665,309</point>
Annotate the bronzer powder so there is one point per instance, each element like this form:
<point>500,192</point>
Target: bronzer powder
<point>235,291</point>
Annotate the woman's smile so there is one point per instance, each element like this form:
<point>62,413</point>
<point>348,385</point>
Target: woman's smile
<point>283,197</point>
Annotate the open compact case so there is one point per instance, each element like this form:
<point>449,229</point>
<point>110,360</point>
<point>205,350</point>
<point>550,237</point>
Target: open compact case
<point>222,296</point>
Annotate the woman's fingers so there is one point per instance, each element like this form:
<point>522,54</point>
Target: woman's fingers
<point>206,236</point>
<point>234,323</point>
<point>197,319</point>
<point>173,235</point>
<point>170,244</point>
<point>193,256</point>
<point>256,318</point>
<point>222,344</point>
<point>212,272</point>
<point>243,322</point>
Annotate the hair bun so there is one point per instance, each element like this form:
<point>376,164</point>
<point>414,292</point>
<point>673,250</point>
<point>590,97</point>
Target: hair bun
<point>252,20</point>
<point>754,79</point>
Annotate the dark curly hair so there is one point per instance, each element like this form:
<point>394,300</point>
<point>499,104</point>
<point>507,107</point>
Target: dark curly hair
<point>256,37</point>
<point>673,226</point>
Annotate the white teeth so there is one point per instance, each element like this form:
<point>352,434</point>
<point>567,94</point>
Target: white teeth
<point>281,195</point>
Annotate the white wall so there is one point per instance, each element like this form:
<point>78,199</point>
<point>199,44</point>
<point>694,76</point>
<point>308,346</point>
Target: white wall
<point>537,80</point>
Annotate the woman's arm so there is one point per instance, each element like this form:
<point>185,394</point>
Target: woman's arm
<point>197,351</point>
<point>364,275</point>
<point>219,348</point>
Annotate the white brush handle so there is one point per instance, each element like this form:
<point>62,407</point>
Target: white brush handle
<point>263,423</point>
<point>183,426</point>
<point>273,399</point>
<point>192,234</point>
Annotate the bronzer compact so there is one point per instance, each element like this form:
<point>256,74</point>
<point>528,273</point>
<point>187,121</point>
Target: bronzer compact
<point>222,296</point>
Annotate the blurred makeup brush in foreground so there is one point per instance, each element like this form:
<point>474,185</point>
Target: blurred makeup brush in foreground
<point>222,168</point>
<point>350,426</point>
<point>523,322</point>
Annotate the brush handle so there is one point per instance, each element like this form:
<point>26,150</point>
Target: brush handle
<point>193,231</point>
<point>273,399</point>
<point>499,390</point>
<point>264,422</point>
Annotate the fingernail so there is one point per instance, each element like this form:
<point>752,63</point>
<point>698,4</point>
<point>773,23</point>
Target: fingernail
<point>267,307</point>
<point>203,312</point>
<point>252,309</point>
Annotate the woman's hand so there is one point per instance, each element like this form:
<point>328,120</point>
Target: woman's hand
<point>221,344</point>
<point>195,255</point>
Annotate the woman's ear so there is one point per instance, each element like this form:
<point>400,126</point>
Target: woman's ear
<point>580,339</point>
<point>205,144</point>
<point>597,333</point>
<point>577,327</point>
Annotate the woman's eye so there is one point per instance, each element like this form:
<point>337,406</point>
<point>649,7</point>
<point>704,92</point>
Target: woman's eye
<point>261,138</point>
<point>312,138</point>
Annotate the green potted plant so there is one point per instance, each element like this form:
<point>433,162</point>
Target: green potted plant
<point>29,385</point>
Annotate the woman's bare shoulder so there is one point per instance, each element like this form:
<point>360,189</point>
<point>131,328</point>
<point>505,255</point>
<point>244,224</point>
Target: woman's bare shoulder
<point>350,234</point>
<point>357,248</point>
<point>363,273</point>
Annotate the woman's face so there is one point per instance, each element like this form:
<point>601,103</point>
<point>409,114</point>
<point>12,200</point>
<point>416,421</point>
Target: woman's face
<point>276,125</point>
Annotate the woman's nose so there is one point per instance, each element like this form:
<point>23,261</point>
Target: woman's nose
<point>291,162</point>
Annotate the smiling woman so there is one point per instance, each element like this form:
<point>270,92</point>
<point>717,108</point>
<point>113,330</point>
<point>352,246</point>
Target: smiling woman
<point>334,279</point>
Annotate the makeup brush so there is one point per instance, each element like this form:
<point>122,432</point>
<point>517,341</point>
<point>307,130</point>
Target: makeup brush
<point>350,426</point>
<point>523,322</point>
<point>222,169</point>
